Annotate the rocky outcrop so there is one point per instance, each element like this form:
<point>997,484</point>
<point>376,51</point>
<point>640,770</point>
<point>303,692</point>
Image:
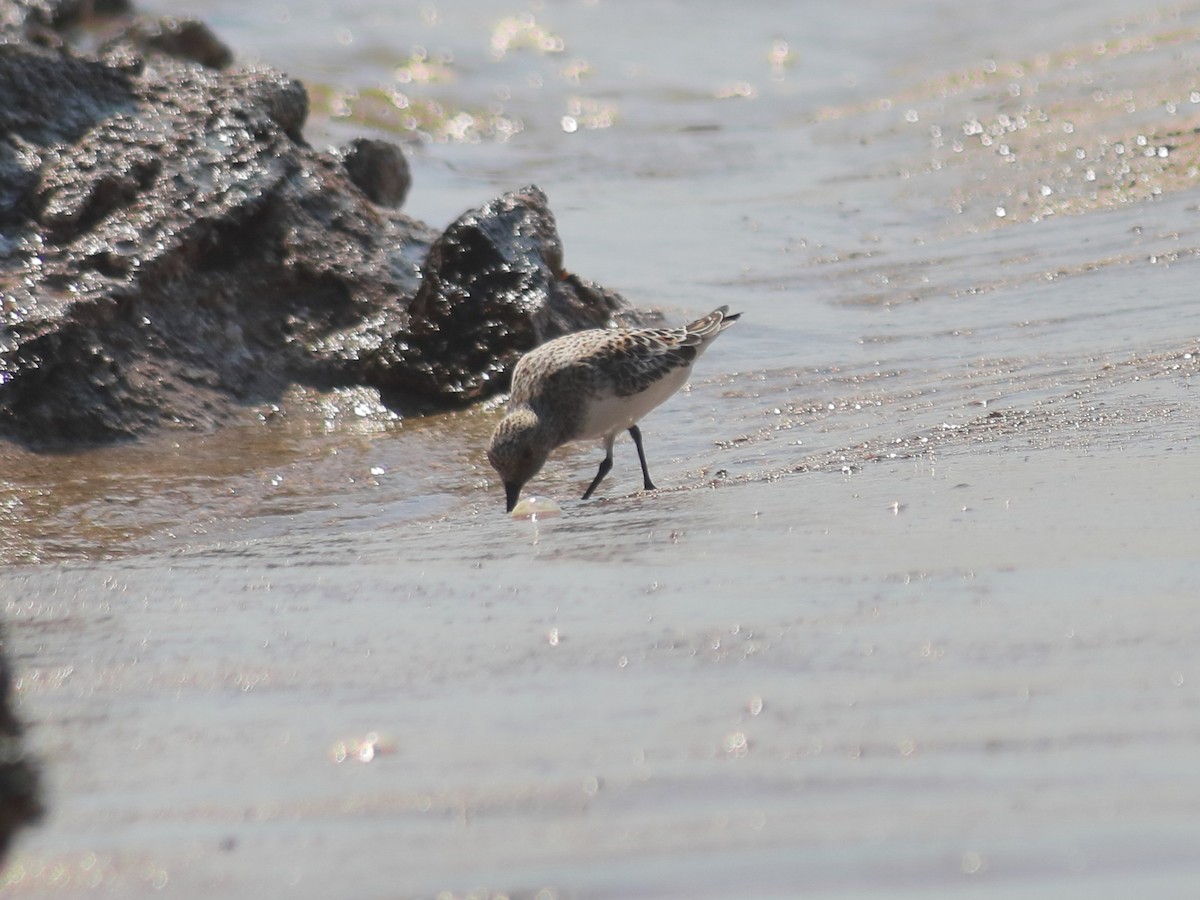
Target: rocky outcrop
<point>171,248</point>
<point>492,287</point>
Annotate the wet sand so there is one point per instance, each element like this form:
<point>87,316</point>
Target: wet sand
<point>912,614</point>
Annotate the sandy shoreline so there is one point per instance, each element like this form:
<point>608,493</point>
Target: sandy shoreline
<point>905,672</point>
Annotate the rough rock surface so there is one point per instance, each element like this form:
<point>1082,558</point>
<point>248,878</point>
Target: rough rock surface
<point>20,802</point>
<point>170,247</point>
<point>462,337</point>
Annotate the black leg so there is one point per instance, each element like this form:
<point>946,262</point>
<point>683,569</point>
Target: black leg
<point>636,434</point>
<point>605,468</point>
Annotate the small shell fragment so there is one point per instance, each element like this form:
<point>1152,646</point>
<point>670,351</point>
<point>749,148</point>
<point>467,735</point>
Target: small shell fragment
<point>535,508</point>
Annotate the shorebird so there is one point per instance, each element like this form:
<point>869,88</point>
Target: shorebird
<point>592,385</point>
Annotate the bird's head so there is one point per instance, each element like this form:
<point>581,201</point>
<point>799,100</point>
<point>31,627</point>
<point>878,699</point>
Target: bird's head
<point>517,452</point>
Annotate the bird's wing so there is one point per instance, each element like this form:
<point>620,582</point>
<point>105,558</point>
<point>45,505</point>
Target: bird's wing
<point>631,361</point>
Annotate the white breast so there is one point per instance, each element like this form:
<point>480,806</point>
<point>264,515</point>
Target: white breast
<point>611,414</point>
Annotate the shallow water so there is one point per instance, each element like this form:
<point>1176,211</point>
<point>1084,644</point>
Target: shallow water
<point>913,611</point>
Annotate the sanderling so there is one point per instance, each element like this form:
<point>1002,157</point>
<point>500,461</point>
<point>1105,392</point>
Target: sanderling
<point>593,385</point>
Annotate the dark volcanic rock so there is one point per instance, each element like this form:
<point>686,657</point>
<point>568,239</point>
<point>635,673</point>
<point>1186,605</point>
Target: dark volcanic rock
<point>20,802</point>
<point>379,169</point>
<point>170,247</point>
<point>182,38</point>
<point>492,287</point>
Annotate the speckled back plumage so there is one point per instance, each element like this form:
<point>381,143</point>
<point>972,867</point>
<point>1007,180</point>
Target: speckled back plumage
<point>557,378</point>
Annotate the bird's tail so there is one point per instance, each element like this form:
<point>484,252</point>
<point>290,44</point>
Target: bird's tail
<point>708,327</point>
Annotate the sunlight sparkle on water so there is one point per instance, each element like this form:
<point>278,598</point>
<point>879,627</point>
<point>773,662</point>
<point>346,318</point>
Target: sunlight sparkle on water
<point>523,32</point>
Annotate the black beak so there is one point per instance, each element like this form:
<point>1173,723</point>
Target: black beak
<point>512,491</point>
